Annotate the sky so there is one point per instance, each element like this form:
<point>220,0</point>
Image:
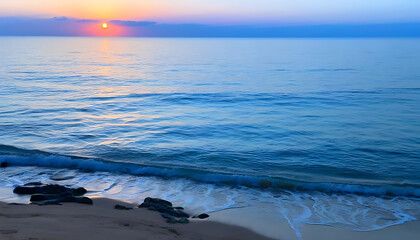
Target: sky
<point>140,17</point>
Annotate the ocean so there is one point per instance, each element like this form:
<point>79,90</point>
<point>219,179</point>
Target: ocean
<point>318,131</point>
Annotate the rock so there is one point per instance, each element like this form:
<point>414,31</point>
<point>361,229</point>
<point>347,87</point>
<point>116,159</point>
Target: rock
<point>4,164</point>
<point>56,200</point>
<point>82,200</point>
<point>171,219</point>
<point>173,215</point>
<point>164,209</point>
<point>27,190</point>
<point>50,203</point>
<point>52,194</point>
<point>203,216</point>
<point>50,189</point>
<point>41,197</point>
<point>85,200</point>
<point>58,189</point>
<point>165,215</point>
<point>157,201</point>
<point>178,213</point>
<point>183,220</point>
<point>79,191</point>
<point>121,207</point>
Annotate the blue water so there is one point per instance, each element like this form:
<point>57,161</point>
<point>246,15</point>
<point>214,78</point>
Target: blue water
<point>319,119</point>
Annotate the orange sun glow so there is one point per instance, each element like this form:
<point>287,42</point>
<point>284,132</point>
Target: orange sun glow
<point>104,25</point>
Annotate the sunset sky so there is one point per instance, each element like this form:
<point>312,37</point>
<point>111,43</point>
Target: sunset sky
<point>265,13</point>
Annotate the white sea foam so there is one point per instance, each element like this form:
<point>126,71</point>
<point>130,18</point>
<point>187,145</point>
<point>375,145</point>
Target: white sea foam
<point>56,161</point>
<point>352,211</point>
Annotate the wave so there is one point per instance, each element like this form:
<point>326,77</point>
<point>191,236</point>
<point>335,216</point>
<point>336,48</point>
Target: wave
<point>21,157</point>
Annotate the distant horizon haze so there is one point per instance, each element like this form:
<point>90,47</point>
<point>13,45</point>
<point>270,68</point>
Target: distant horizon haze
<point>66,26</point>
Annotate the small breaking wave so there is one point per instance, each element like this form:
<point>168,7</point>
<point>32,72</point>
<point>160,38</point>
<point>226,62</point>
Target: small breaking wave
<point>21,157</point>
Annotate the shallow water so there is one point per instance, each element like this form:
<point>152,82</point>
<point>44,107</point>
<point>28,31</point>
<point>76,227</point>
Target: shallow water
<point>324,130</point>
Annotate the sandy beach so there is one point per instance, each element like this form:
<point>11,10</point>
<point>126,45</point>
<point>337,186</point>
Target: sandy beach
<point>101,221</point>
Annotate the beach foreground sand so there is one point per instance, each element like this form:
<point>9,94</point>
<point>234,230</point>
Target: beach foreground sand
<point>101,221</point>
<point>72,221</point>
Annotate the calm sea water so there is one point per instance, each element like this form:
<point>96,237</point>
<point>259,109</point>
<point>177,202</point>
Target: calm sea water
<point>324,131</point>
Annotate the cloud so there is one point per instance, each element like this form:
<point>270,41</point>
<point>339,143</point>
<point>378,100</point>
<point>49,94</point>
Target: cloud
<point>132,23</point>
<point>63,18</point>
<point>60,18</point>
<point>88,21</point>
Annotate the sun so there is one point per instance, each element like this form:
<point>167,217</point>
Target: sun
<point>104,25</point>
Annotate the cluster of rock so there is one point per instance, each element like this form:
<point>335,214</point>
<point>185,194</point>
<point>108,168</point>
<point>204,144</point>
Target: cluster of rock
<point>172,214</point>
<point>52,193</point>
<point>166,210</point>
<point>55,194</point>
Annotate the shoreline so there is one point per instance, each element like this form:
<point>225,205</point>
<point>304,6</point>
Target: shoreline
<point>59,214</point>
<point>102,221</point>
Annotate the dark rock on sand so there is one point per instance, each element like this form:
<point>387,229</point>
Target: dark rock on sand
<point>157,201</point>
<point>173,215</point>
<point>121,207</point>
<point>42,197</point>
<point>70,199</point>
<point>80,191</point>
<point>165,215</point>
<point>50,189</point>
<point>27,190</point>
<point>4,164</point>
<point>53,193</point>
<point>82,200</point>
<point>202,216</point>
<point>171,219</point>
<point>50,203</point>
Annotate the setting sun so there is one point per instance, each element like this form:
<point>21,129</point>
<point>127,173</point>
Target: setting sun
<point>104,25</point>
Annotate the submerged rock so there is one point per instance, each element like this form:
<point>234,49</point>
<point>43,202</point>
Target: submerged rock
<point>121,207</point>
<point>4,164</point>
<point>172,214</point>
